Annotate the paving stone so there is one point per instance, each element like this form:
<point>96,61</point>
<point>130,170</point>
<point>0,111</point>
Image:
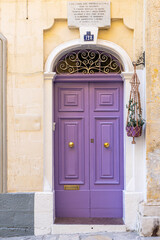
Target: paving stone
<point>68,237</point>
<point>23,238</point>
<point>96,237</point>
<point>126,236</point>
<point>50,237</point>
<point>102,236</point>
<point>150,238</point>
<point>31,238</point>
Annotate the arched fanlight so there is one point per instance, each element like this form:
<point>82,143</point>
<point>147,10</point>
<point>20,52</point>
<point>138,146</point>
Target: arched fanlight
<point>88,61</point>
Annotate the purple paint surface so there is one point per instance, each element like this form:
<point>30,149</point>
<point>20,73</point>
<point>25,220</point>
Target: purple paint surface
<point>85,111</point>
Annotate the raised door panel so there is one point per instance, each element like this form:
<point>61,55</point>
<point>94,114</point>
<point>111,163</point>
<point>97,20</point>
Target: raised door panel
<point>106,99</point>
<point>106,162</point>
<point>71,99</point>
<point>71,158</point>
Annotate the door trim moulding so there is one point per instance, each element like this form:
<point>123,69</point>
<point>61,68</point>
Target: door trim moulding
<point>107,46</point>
<point>90,78</point>
<point>3,119</point>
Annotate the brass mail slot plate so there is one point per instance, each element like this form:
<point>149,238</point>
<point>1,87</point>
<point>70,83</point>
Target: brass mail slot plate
<point>71,187</point>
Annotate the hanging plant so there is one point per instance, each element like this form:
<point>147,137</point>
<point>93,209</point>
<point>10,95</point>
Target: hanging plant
<point>134,117</point>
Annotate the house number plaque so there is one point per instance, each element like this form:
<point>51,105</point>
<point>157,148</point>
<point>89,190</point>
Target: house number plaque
<point>71,187</point>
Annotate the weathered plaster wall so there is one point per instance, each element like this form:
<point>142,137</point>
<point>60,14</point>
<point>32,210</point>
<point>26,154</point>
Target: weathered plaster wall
<point>117,33</point>
<point>149,214</point>
<point>27,52</point>
<point>24,94</point>
<point>126,27</point>
<point>153,99</point>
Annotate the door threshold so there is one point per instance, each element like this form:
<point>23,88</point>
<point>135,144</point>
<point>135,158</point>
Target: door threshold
<point>89,221</point>
<point>86,228</point>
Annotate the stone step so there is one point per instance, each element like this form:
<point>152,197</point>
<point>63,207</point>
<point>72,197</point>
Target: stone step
<point>75,229</point>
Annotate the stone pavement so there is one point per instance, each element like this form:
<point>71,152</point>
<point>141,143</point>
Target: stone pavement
<point>98,236</point>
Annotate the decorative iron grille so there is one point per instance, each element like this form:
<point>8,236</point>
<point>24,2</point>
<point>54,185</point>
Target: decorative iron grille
<point>88,61</point>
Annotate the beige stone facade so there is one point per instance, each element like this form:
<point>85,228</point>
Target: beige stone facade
<point>30,42</point>
<point>152,100</point>
<point>33,29</point>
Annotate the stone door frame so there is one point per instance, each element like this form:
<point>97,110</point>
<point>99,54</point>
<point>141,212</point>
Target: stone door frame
<point>3,122</point>
<point>130,193</point>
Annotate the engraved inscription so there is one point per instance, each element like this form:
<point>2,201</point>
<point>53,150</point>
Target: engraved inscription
<point>91,13</point>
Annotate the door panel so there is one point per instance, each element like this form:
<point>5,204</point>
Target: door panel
<point>71,100</point>
<point>85,111</point>
<point>71,162</point>
<point>72,203</point>
<point>106,99</point>
<point>71,159</point>
<point>106,203</point>
<point>106,161</point>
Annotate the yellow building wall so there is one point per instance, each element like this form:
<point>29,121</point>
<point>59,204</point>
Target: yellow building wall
<point>32,33</point>
<point>117,33</point>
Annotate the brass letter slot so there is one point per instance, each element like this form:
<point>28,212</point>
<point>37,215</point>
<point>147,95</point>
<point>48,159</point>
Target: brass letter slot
<point>71,187</point>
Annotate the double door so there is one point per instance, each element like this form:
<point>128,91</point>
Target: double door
<point>88,149</point>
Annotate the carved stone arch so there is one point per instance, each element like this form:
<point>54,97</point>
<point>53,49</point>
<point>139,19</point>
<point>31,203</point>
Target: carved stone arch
<point>3,125</point>
<point>107,46</point>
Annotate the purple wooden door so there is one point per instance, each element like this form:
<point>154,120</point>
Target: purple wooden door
<point>72,163</point>
<point>88,149</point>
<point>106,154</point>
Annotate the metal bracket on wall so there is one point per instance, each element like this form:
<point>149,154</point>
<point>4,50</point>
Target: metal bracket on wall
<point>140,61</point>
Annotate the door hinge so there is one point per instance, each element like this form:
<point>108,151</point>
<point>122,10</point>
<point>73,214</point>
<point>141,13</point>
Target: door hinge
<point>54,126</point>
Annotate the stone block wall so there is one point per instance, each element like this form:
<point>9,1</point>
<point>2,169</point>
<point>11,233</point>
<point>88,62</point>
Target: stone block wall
<point>16,214</point>
<point>149,212</point>
<point>153,100</point>
<point>23,214</point>
<point>149,219</point>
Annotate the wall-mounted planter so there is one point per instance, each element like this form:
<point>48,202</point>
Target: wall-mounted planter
<point>134,117</point>
<point>134,131</point>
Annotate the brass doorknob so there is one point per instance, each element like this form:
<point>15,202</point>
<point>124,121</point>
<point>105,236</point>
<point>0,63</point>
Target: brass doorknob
<point>71,144</point>
<point>106,145</point>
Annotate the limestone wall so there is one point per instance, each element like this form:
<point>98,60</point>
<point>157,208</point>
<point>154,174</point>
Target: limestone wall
<point>153,99</point>
<point>32,33</point>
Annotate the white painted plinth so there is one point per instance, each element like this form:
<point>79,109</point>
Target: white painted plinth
<point>43,213</point>
<point>131,202</point>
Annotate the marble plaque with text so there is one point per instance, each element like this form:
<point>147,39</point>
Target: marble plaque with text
<point>89,13</point>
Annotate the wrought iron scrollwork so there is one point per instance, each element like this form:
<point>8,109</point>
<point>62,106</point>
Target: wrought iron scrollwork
<point>88,61</point>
